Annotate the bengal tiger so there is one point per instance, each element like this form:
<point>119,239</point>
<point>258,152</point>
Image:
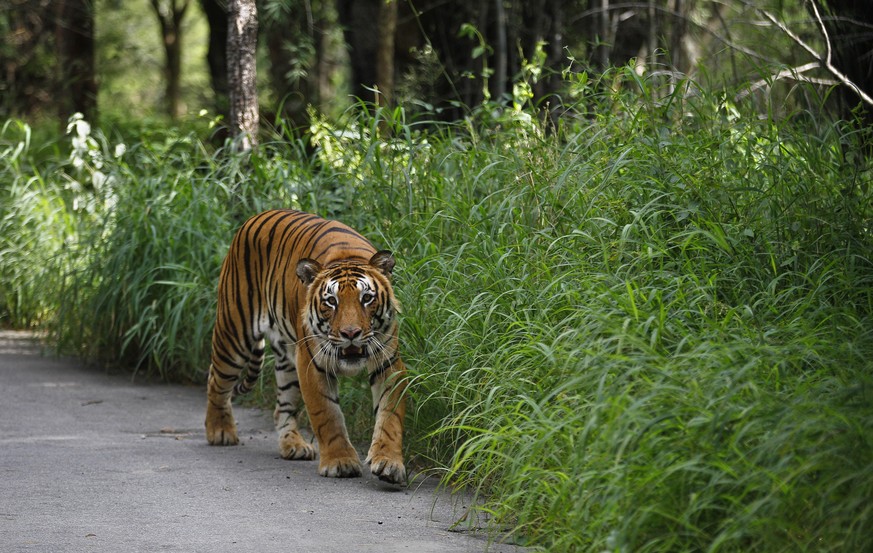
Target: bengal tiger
<point>322,295</point>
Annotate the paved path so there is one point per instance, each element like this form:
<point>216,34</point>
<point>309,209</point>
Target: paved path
<point>93,462</point>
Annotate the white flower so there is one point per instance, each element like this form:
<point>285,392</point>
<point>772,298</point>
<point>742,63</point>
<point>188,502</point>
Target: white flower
<point>99,179</point>
<point>83,128</point>
<point>75,118</point>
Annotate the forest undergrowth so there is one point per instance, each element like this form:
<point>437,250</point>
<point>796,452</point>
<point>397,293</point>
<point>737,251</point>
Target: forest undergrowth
<point>641,325</point>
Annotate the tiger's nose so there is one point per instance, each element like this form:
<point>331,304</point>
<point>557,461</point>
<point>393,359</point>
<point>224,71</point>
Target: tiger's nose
<point>350,332</point>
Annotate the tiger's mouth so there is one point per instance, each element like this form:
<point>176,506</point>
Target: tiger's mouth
<point>353,353</point>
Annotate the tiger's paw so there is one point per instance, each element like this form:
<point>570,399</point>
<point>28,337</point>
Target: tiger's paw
<point>292,446</point>
<point>340,467</point>
<point>388,469</point>
<point>220,427</point>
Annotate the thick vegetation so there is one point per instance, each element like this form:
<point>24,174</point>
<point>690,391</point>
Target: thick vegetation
<point>644,327</point>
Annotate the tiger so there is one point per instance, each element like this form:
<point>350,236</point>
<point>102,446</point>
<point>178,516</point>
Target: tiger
<point>322,295</point>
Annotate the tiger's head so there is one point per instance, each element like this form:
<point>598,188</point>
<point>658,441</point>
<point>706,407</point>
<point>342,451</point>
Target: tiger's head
<point>350,313</point>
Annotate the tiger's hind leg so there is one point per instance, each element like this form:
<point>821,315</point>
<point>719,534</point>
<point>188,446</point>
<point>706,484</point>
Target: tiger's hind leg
<point>292,445</point>
<point>252,371</point>
<point>220,426</point>
<point>228,363</point>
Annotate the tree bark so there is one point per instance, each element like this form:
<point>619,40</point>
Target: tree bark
<point>242,42</point>
<point>170,15</point>
<point>500,78</point>
<point>75,48</point>
<point>385,52</point>
<point>679,33</point>
<point>357,17</point>
<point>216,55</point>
<point>605,34</point>
<point>652,48</point>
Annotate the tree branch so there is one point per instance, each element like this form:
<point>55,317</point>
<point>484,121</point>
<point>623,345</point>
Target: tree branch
<point>824,60</point>
<point>795,73</point>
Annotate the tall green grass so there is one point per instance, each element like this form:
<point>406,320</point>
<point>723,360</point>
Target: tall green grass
<point>38,226</point>
<point>644,325</point>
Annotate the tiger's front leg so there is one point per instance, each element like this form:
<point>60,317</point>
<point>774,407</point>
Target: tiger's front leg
<point>337,457</point>
<point>291,442</point>
<point>388,385</point>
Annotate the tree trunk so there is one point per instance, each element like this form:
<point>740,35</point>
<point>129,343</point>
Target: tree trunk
<point>652,48</point>
<point>605,34</point>
<point>501,54</point>
<point>75,48</point>
<point>678,33</point>
<point>385,52</point>
<point>357,17</point>
<point>26,86</point>
<point>242,43</point>
<point>216,56</point>
<point>170,15</point>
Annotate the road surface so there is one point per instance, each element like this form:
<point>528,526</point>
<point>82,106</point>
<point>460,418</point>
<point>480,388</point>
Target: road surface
<point>95,462</point>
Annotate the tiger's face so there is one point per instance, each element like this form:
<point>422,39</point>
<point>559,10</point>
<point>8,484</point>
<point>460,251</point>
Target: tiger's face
<point>350,313</point>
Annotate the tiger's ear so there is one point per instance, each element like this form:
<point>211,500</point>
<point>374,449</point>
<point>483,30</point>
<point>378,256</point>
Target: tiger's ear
<point>307,270</point>
<point>384,261</point>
